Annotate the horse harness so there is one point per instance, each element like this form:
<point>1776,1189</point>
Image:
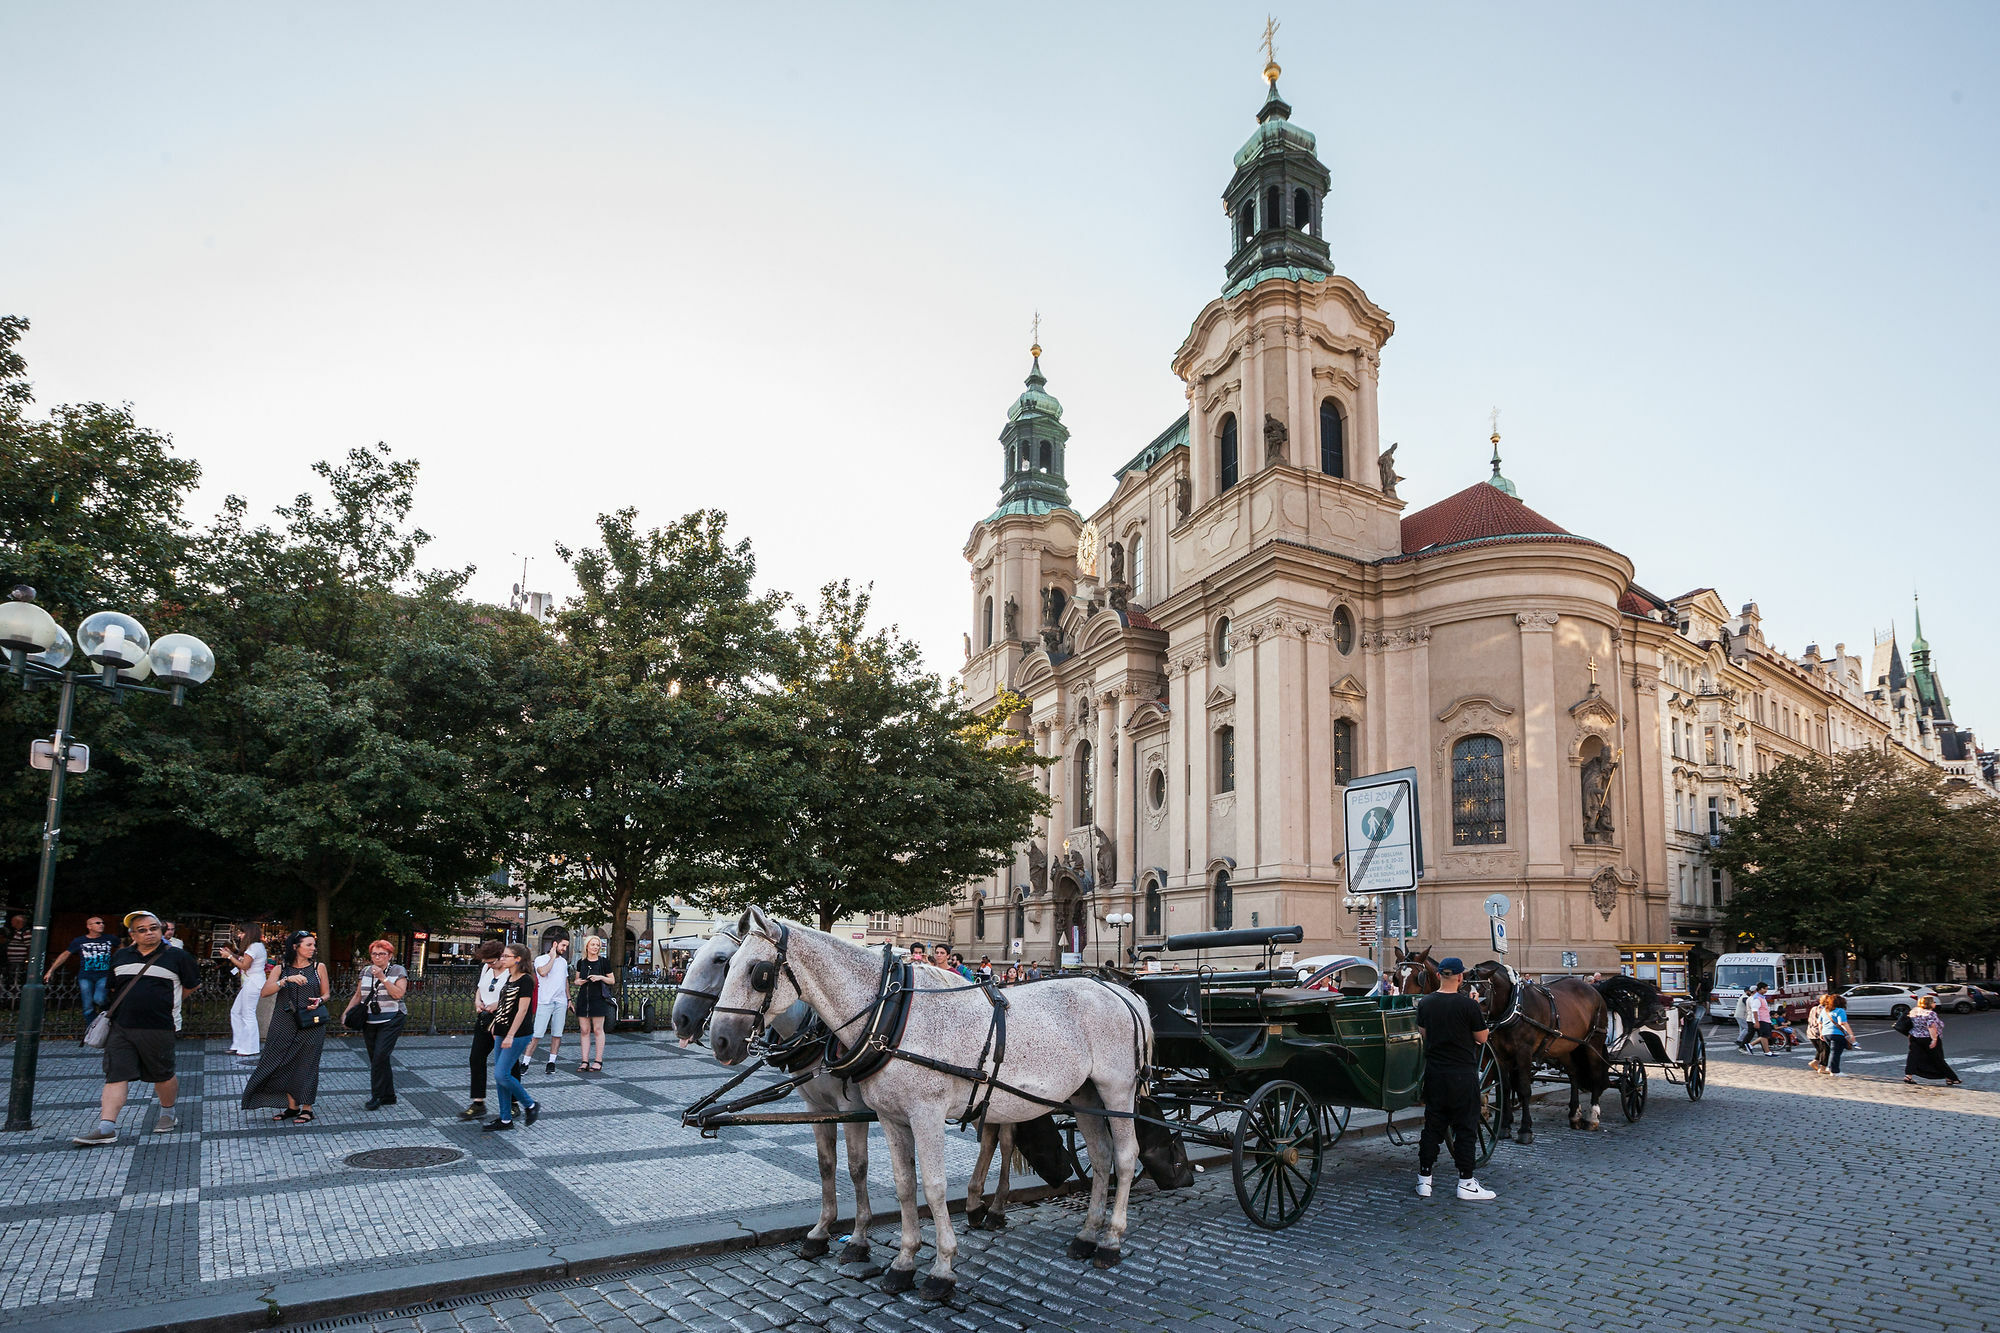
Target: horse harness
<point>1516,1014</point>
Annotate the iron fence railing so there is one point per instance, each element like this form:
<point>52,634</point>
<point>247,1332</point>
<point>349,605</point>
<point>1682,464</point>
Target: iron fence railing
<point>440,1002</point>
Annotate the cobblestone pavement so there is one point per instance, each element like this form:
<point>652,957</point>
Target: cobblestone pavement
<point>1638,1227</point>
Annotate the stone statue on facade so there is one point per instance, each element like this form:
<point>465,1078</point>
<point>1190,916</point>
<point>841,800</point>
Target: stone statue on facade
<point>1276,437</point>
<point>1048,606</point>
<point>1597,771</point>
<point>1117,553</point>
<point>1107,862</point>
<point>1011,618</point>
<point>1038,869</point>
<point>1387,464</point>
<point>1183,495</point>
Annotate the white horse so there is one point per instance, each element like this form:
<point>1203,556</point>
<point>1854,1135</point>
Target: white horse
<point>700,986</point>
<point>1075,1040</point>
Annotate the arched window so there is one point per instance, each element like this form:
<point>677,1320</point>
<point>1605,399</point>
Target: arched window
<point>1154,914</point>
<point>1225,759</point>
<point>1225,902</point>
<point>1332,440</point>
<point>1020,920</point>
<point>1226,455</point>
<point>1086,785</point>
<point>1478,792</point>
<point>1246,222</point>
<point>1302,210</point>
<point>1048,456</point>
<point>1273,201</point>
<point>1057,602</point>
<point>986,624</point>
<point>1012,465</point>
<point>1139,567</point>
<point>1222,642</point>
<point>1343,630</point>
<point>1343,751</point>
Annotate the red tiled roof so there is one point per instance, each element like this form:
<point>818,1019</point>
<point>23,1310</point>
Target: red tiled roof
<point>1477,513</point>
<point>1632,604</point>
<point>1139,620</point>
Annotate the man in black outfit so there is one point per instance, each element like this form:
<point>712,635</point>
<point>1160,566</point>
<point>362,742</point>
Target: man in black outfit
<point>143,1024</point>
<point>1454,1029</point>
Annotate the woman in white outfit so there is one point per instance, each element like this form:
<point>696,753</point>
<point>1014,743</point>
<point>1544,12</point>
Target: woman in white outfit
<point>246,954</point>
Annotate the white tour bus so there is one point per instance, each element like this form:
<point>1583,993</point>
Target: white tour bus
<point>1797,980</point>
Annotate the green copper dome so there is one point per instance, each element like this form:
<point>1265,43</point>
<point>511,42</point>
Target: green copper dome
<point>1032,445</point>
<point>1035,398</point>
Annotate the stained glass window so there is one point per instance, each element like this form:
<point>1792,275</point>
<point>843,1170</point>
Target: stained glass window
<point>1478,792</point>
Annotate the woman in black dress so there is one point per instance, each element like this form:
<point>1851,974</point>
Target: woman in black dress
<point>288,1073</point>
<point>1926,1057</point>
<point>594,977</point>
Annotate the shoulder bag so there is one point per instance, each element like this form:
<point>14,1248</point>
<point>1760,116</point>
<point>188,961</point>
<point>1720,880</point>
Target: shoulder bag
<point>310,1016</point>
<point>99,1031</point>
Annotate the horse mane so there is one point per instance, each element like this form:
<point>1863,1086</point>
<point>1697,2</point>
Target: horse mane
<point>1629,997</point>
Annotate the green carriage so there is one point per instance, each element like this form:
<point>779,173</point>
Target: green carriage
<point>1245,1059</point>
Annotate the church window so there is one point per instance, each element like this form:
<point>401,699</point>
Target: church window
<point>1154,926</point>
<point>986,624</point>
<point>1225,902</point>
<point>1086,785</point>
<point>1156,789</point>
<point>1302,210</point>
<point>1343,631</point>
<point>1226,470</point>
<point>1020,920</point>
<point>1139,567</point>
<point>1273,219</point>
<point>1225,759</point>
<point>1246,221</point>
<point>1478,792</point>
<point>1048,456</point>
<point>1222,642</point>
<point>1332,440</point>
<point>1343,751</point>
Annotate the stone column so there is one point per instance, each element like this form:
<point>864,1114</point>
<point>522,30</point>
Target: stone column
<point>1103,747</point>
<point>1541,768</point>
<point>1304,446</point>
<point>1250,419</point>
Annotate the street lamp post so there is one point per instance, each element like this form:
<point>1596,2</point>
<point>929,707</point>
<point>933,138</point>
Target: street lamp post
<point>1120,920</point>
<point>39,652</point>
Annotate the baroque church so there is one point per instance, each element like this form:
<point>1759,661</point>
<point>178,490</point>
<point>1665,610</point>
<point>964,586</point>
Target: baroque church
<point>1253,617</point>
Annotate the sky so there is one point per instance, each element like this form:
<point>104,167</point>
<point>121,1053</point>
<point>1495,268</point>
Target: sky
<point>1728,272</point>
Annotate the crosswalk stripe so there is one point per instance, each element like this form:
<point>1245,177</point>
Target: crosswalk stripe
<point>1868,1059</point>
<point>1984,1069</point>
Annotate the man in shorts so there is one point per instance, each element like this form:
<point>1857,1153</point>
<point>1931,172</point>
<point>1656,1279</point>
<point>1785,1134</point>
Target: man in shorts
<point>1760,1018</point>
<point>143,1024</point>
<point>552,997</point>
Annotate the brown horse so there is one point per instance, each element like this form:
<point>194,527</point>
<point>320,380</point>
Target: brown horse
<point>1415,973</point>
<point>1561,1024</point>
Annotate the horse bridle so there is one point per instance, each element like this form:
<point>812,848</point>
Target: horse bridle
<point>713,997</point>
<point>763,978</point>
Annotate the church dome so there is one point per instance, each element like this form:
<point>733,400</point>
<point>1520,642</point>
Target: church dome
<point>1036,399</point>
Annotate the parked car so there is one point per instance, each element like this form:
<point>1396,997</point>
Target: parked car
<point>1991,990</point>
<point>1960,998</point>
<point>1883,999</point>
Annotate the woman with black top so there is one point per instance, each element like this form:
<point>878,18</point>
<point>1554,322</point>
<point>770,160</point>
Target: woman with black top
<point>594,979</point>
<point>510,1015</point>
<point>288,1073</point>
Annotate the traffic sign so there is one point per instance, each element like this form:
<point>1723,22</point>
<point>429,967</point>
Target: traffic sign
<point>1384,832</point>
<point>1499,934</point>
<point>42,755</point>
<point>1497,904</point>
<point>1569,958</point>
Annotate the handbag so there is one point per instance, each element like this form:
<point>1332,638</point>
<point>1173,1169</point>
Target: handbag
<point>1905,1026</point>
<point>99,1032</point>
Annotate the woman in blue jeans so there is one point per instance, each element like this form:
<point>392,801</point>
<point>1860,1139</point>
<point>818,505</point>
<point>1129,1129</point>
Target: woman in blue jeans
<point>92,950</point>
<point>517,1003</point>
<point>1839,1032</point>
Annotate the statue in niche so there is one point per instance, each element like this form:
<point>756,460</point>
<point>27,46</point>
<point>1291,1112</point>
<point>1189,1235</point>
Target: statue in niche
<point>1048,606</point>
<point>1183,495</point>
<point>1276,437</point>
<point>1117,550</point>
<point>1011,618</point>
<point>1387,464</point>
<point>1107,862</point>
<point>1596,775</point>
<point>1038,869</point>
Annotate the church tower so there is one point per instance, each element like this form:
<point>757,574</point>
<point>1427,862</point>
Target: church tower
<point>1032,444</point>
<point>1281,370</point>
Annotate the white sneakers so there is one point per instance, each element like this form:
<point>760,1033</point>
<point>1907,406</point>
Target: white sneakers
<point>1467,1189</point>
<point>1423,1187</point>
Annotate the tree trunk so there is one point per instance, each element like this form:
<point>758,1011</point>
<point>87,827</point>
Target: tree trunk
<point>621,903</point>
<point>826,911</point>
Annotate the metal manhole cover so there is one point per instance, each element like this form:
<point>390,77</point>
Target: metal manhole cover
<point>402,1159</point>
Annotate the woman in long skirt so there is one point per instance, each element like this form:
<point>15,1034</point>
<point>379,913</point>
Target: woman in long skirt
<point>288,1074</point>
<point>1926,1058</point>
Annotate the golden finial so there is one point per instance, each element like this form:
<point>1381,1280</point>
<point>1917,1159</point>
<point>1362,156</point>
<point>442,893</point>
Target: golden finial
<point>1270,44</point>
<point>1035,338</point>
<point>1496,426</point>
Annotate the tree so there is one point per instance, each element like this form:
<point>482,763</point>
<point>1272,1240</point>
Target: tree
<point>642,769</point>
<point>1861,852</point>
<point>896,793</point>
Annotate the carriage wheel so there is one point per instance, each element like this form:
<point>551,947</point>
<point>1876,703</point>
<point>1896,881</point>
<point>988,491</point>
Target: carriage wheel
<point>1632,1089</point>
<point>1334,1120</point>
<point>1079,1154</point>
<point>1278,1149</point>
<point>1492,1103</point>
<point>1694,1076</point>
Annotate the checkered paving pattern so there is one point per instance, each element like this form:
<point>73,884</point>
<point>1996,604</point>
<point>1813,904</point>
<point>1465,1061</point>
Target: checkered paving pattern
<point>233,1201</point>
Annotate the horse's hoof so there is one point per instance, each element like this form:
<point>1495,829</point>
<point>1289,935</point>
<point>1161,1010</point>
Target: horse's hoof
<point>1524,1136</point>
<point>976,1217</point>
<point>813,1247</point>
<point>1107,1256</point>
<point>1081,1248</point>
<point>938,1288</point>
<point>899,1279</point>
<point>992,1222</point>
<point>855,1252</point>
